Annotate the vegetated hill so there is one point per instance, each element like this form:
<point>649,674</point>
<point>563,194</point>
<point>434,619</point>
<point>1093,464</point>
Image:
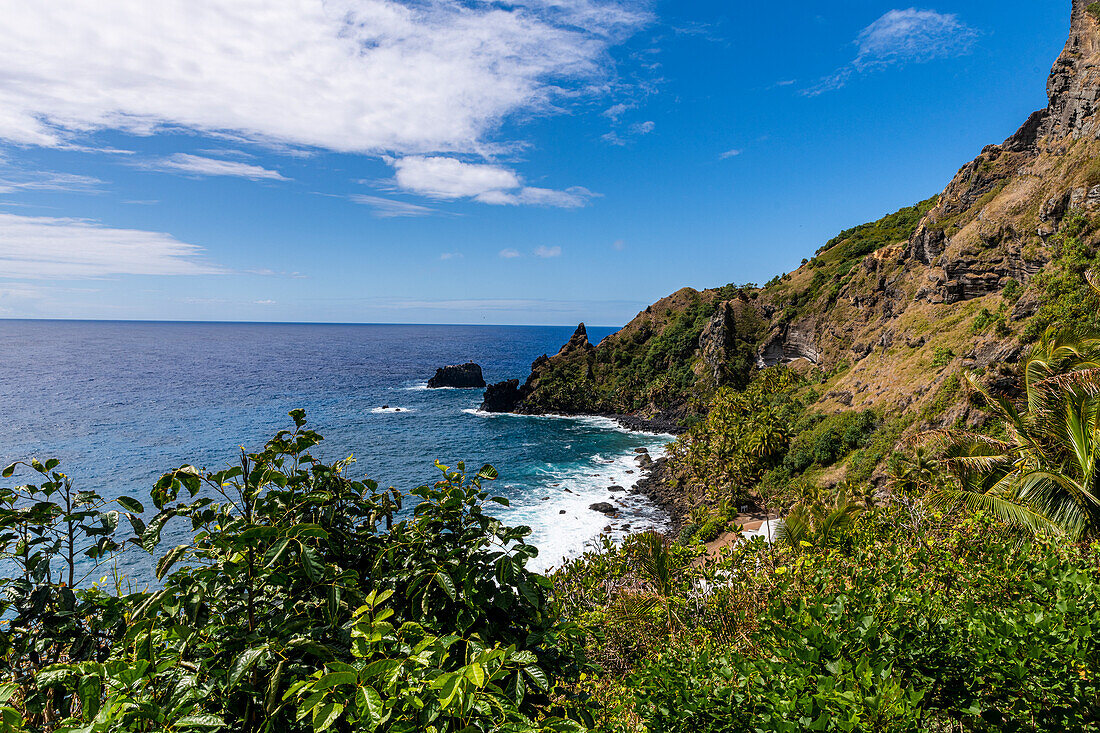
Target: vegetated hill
<point>885,314</point>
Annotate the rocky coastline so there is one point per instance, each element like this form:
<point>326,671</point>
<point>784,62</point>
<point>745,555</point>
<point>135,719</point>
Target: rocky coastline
<point>654,485</point>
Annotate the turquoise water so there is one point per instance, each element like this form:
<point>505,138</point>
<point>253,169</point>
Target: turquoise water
<point>120,403</point>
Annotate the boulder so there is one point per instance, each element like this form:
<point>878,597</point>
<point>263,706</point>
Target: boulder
<point>603,507</point>
<point>502,396</point>
<point>465,376</point>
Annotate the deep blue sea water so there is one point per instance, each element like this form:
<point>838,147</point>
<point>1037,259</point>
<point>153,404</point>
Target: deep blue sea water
<point>120,403</point>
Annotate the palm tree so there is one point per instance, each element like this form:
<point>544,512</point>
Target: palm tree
<point>1045,475</point>
<point>819,523</point>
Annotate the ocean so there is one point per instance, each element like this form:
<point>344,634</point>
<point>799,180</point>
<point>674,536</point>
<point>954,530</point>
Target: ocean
<point>121,403</point>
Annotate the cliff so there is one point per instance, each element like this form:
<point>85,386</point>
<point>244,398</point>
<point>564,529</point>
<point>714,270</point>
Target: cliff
<point>884,314</point>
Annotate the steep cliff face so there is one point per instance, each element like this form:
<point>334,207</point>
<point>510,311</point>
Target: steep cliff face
<point>884,314</point>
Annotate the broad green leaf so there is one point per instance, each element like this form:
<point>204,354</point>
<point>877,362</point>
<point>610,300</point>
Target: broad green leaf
<point>325,715</point>
<point>311,563</point>
<point>90,690</point>
<point>200,720</point>
<point>130,505</point>
<point>446,583</point>
<point>244,662</point>
<point>370,704</point>
<point>170,558</point>
<point>537,676</point>
<point>332,679</point>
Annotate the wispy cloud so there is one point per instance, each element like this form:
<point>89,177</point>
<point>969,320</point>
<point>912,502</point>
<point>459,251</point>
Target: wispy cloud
<point>730,154</point>
<point>618,245</point>
<point>546,252</point>
<point>15,181</point>
<point>385,208</point>
<point>615,111</point>
<point>201,166</point>
<point>901,37</point>
<point>450,256</point>
<point>446,178</point>
<point>509,254</point>
<point>42,248</point>
<point>635,130</point>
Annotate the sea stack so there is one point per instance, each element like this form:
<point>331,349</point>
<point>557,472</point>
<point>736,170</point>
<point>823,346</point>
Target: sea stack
<point>463,376</point>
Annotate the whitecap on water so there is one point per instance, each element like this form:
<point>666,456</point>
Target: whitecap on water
<point>563,524</point>
<point>388,409</point>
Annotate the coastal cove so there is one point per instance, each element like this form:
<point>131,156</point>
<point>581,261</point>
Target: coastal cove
<point>122,402</point>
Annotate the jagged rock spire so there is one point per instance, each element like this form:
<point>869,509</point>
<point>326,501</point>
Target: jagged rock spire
<point>1073,89</point>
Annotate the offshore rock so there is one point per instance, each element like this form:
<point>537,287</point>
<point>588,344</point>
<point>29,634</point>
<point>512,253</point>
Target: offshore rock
<point>502,396</point>
<point>463,376</point>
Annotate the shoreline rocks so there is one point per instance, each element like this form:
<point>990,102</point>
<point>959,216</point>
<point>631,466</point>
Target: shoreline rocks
<point>459,376</point>
<point>502,397</point>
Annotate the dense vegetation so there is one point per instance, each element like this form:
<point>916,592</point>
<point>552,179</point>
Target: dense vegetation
<point>1066,298</point>
<point>649,367</point>
<point>300,603</point>
<point>308,600</point>
<point>968,601</point>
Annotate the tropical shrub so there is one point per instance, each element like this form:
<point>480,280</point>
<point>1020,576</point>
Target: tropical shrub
<point>305,600</point>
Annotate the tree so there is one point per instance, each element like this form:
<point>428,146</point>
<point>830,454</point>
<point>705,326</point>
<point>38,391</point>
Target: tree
<point>1045,474</point>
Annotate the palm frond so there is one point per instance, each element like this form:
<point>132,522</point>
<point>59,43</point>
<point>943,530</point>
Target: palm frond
<point>1004,509</point>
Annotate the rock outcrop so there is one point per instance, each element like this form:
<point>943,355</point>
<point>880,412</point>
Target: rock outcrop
<point>462,376</point>
<point>502,397</point>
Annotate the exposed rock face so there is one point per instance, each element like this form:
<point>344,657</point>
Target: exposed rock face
<point>502,396</point>
<point>786,344</point>
<point>734,323</point>
<point>1074,84</point>
<point>466,375</point>
<point>578,342</point>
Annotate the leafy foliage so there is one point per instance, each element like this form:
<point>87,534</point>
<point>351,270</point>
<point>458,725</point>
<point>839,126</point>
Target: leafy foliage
<point>1067,301</point>
<point>303,602</point>
<point>1045,474</point>
<point>744,435</point>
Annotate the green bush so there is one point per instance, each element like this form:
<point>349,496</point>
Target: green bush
<point>829,439</point>
<point>970,630</point>
<point>303,602</point>
<point>942,357</point>
<point>1067,301</point>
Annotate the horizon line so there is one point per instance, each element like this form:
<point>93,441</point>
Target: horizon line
<point>299,323</point>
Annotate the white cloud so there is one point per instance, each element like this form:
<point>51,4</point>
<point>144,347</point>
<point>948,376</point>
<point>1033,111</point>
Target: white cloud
<point>545,252</point>
<point>509,254</point>
<point>618,245</point>
<point>385,208</point>
<point>615,111</point>
<point>369,76</point>
<point>446,178</point>
<point>264,302</point>
<point>450,178</point>
<point>636,129</point>
<point>49,181</point>
<point>51,248</point>
<point>450,256</point>
<point>900,37</point>
<point>730,154</point>
<point>200,166</point>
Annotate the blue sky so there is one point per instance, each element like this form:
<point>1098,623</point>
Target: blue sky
<point>532,162</point>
